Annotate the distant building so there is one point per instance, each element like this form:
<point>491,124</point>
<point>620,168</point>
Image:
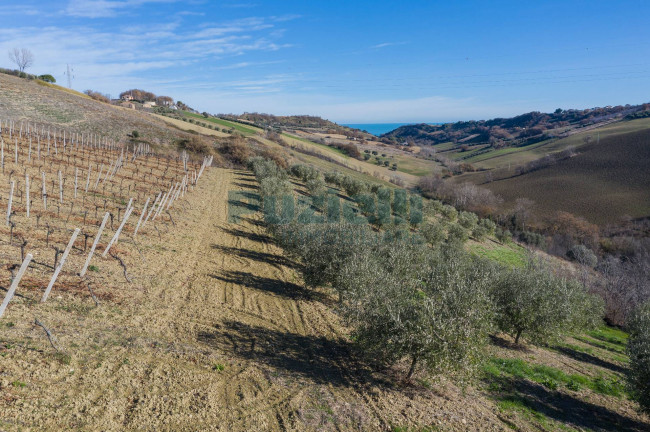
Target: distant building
<point>127,97</point>
<point>149,104</point>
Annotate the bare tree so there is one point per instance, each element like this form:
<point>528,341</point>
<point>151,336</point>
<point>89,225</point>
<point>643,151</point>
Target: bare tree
<point>23,58</point>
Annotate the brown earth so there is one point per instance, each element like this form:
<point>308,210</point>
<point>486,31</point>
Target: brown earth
<point>217,333</point>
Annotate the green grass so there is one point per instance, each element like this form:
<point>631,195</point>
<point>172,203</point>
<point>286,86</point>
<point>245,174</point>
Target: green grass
<point>246,130</point>
<point>551,377</point>
<point>510,255</point>
<point>218,367</point>
<point>615,348</point>
<point>319,145</point>
<point>610,335</point>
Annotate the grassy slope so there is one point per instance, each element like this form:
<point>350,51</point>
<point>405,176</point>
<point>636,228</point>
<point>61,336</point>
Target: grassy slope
<point>246,130</point>
<point>186,126</point>
<point>602,183</point>
<point>53,105</point>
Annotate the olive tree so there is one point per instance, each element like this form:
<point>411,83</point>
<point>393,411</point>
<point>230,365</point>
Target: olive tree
<point>433,232</point>
<point>467,220</point>
<point>540,305</point>
<point>638,349</point>
<point>405,302</point>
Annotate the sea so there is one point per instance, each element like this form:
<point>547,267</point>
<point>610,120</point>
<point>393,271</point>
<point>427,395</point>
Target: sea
<point>378,128</point>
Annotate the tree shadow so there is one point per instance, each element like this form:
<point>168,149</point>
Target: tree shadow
<point>260,238</point>
<point>276,260</point>
<point>245,205</point>
<point>507,344</point>
<point>248,186</point>
<point>563,407</point>
<point>588,358</point>
<point>316,358</point>
<point>283,289</point>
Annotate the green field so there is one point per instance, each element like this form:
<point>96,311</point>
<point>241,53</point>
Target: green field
<point>246,130</point>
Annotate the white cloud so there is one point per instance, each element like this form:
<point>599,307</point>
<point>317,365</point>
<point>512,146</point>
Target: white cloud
<point>387,44</point>
<point>104,8</point>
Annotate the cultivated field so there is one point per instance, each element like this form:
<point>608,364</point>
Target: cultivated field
<point>604,182</point>
<point>215,331</point>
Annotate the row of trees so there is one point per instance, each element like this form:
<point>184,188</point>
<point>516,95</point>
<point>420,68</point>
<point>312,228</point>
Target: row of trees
<point>430,303</point>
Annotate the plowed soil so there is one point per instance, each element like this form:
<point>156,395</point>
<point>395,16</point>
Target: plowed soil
<point>216,333</point>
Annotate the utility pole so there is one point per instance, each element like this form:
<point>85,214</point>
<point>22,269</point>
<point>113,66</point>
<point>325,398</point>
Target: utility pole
<point>69,75</point>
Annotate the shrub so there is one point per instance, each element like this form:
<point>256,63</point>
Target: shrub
<point>532,238</point>
<point>479,232</point>
<point>432,207</point>
<point>504,236</point>
<point>194,144</point>
<point>434,233</point>
<point>449,212</point>
<point>456,234</point>
<point>489,226</point>
<point>583,255</point>
<point>415,207</point>
<point>405,302</point>
<point>276,155</point>
<point>316,186</point>
<point>47,78</point>
<point>334,177</point>
<point>467,220</point>
<point>325,248</point>
<point>353,186</point>
<point>305,172</point>
<point>235,150</point>
<point>97,96</point>
<point>264,168</point>
<point>275,186</point>
<point>638,348</point>
<point>536,303</point>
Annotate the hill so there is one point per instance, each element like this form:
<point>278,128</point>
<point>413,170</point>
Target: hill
<point>603,182</point>
<point>39,102</point>
<point>520,130</point>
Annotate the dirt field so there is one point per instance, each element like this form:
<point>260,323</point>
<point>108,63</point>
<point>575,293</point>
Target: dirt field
<point>217,333</point>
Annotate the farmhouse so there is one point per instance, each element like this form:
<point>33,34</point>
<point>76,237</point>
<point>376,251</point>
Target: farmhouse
<point>127,97</point>
<point>149,104</point>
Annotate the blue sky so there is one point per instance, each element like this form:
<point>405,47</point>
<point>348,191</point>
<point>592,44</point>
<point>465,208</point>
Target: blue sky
<point>348,61</point>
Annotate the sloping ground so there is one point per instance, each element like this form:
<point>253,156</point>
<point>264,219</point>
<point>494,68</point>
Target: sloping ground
<point>217,333</point>
<point>604,182</point>
<point>22,99</point>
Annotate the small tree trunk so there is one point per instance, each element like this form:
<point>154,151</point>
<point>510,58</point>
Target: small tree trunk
<point>411,369</point>
<point>517,336</point>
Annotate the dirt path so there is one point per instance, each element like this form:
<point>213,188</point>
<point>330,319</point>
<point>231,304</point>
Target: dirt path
<point>216,333</point>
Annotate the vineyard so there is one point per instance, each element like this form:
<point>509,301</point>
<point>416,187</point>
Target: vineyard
<point>70,198</point>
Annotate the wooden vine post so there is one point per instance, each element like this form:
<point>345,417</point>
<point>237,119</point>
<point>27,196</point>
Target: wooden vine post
<point>92,249</point>
<point>14,283</point>
<point>11,197</point>
<point>60,266</point>
<point>117,233</point>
